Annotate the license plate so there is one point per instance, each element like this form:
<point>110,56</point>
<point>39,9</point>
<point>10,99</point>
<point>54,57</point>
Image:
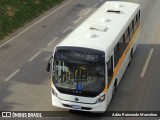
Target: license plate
<point>76,107</point>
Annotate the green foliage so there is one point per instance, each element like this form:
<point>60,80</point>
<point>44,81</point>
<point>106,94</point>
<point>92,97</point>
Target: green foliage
<point>15,13</point>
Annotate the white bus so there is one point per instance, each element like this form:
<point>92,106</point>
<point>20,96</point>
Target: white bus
<point>88,64</point>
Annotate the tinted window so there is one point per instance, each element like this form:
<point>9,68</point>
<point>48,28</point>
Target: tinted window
<point>126,37</point>
<point>116,56</point>
<point>110,69</point>
<point>121,47</point>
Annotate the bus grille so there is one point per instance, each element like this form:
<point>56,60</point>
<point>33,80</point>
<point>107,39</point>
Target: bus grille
<point>82,108</point>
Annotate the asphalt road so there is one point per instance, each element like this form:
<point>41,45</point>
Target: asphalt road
<point>25,85</point>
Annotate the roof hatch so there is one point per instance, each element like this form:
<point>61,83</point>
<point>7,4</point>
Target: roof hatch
<point>92,35</point>
<point>105,20</point>
<point>113,11</point>
<point>98,27</point>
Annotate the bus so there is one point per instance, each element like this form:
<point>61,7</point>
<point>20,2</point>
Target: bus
<point>88,64</point>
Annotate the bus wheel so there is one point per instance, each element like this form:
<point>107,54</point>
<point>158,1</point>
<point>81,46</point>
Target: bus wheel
<point>114,90</point>
<point>130,57</point>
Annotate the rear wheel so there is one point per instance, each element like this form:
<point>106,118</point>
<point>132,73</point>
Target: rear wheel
<point>130,57</point>
<point>114,90</point>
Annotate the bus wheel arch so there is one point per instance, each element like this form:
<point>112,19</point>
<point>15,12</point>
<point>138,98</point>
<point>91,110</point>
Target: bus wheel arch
<point>130,56</point>
<point>115,85</point>
<point>114,89</point>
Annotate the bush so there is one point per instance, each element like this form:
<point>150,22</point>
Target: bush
<point>15,13</point>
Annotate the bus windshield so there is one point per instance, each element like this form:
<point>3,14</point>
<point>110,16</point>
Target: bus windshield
<point>79,71</point>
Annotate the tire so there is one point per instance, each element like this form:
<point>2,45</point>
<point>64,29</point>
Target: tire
<point>113,92</point>
<point>130,57</point>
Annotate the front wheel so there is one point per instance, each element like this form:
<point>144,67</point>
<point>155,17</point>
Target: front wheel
<point>113,92</point>
<point>130,57</point>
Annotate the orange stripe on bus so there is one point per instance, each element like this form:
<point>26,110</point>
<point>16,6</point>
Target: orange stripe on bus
<point>52,84</point>
<point>122,59</point>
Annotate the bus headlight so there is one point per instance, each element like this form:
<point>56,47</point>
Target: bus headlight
<point>101,99</point>
<point>54,93</point>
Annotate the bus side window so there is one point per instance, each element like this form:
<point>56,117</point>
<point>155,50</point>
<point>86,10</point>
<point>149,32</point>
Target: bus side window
<point>131,32</point>
<point>116,56</point>
<point>135,24</point>
<point>110,69</point>
<point>137,20</point>
<point>121,47</point>
<point>126,37</point>
<point>138,17</point>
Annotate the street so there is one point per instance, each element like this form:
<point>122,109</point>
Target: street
<point>25,84</point>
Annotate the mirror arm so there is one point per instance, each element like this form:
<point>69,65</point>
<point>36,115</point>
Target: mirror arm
<point>48,65</point>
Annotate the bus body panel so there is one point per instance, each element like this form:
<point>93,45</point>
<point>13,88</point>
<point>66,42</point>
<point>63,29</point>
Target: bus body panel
<point>99,107</point>
<point>103,41</point>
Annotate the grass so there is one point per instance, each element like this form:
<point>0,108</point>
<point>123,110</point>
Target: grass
<point>15,13</point>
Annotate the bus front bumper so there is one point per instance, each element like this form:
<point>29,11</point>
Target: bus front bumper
<point>97,107</point>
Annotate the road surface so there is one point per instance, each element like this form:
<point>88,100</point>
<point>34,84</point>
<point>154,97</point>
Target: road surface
<point>25,85</point>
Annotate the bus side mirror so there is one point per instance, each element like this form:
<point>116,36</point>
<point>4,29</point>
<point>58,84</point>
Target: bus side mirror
<point>49,65</point>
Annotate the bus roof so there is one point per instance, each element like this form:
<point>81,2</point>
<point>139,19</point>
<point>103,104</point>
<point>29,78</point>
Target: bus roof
<point>103,28</point>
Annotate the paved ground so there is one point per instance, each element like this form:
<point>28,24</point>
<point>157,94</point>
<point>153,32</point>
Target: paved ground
<point>25,85</point>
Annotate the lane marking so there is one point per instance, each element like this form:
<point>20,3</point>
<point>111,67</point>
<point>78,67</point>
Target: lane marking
<point>52,41</point>
<point>77,20</point>
<point>87,12</point>
<point>66,29</point>
<point>35,24</point>
<point>32,58</point>
<point>95,5</point>
<point>147,63</point>
<point>12,75</point>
